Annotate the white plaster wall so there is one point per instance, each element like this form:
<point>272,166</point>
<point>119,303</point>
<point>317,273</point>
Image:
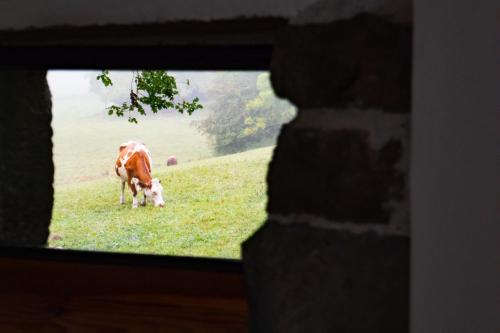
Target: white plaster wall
<point>455,168</point>
<point>22,14</point>
<point>19,14</point>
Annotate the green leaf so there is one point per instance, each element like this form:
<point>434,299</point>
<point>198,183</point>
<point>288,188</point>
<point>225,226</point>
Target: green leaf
<point>104,78</point>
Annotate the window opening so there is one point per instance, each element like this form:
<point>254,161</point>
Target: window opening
<point>212,164</point>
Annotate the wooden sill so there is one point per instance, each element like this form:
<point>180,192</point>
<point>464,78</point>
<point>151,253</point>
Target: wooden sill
<point>47,290</point>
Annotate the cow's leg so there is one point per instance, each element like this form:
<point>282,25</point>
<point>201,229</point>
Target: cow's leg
<point>122,197</point>
<point>143,202</point>
<point>135,203</point>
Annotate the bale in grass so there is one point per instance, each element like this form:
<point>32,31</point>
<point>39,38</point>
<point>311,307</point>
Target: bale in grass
<point>172,160</point>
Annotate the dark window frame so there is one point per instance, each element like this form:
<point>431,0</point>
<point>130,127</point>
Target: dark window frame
<point>171,57</point>
<point>187,57</point>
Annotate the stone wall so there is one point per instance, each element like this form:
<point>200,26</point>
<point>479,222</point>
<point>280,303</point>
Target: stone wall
<point>26,167</point>
<point>334,253</point>
<point>323,267</point>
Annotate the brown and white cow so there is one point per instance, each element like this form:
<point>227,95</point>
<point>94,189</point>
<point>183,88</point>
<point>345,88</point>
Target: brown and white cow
<point>133,166</point>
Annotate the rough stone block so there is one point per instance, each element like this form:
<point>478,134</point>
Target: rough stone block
<point>336,174</point>
<point>363,62</point>
<point>304,279</point>
<point>26,167</point>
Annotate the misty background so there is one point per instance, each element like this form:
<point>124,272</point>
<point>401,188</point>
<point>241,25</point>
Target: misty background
<point>240,112</point>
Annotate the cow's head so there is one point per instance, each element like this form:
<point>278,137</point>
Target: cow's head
<point>156,193</point>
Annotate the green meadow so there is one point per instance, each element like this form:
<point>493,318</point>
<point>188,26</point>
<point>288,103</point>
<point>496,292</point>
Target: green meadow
<point>213,203</point>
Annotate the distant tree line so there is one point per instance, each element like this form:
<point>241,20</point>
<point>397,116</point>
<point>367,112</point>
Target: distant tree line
<point>243,112</point>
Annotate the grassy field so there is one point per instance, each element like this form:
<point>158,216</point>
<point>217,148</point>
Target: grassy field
<point>212,206</point>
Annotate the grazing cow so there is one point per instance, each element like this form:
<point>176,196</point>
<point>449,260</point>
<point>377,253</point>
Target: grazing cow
<point>133,166</point>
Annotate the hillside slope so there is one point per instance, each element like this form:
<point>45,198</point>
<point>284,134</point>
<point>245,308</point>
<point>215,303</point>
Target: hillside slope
<point>86,146</point>
<point>212,205</point>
